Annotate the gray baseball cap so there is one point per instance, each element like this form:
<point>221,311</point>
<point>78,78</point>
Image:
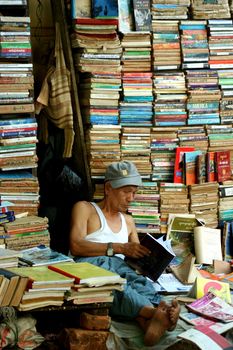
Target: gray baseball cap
<point>123,173</point>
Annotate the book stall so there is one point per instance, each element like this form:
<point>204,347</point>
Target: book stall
<point>87,83</point>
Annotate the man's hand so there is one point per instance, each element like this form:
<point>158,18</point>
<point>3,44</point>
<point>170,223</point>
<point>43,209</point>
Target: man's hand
<point>135,250</point>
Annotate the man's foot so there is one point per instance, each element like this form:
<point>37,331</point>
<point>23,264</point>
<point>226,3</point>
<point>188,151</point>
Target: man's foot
<point>173,312</point>
<point>156,326</point>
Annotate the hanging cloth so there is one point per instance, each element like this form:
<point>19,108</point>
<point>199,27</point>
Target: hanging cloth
<point>55,96</point>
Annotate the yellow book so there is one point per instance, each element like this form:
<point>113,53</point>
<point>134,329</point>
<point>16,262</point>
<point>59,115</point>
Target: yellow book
<point>86,273</point>
<point>42,277</point>
<point>203,285</point>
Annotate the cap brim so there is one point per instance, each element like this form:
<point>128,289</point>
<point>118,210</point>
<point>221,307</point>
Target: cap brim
<point>126,181</point>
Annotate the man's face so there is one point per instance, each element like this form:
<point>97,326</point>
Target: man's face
<point>122,197</point>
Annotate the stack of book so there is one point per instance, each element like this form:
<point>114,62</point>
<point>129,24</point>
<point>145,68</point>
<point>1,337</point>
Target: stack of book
<point>15,37</point>
<point>177,9</point>
<point>97,45</point>
<point>9,257</point>
<point>103,147</point>
<point>18,137</point>
<point>220,43</point>
<point>136,104</point>
<point>173,199</point>
<point>194,136</point>
<point>136,54</point>
<point>204,202</point>
<point>225,80</point>
<point>166,45</point>
<point>93,284</point>
<point>20,188</point>
<point>220,138</point>
<point>26,232</point>
<point>12,287</point>
<point>225,213</point>
<point>170,97</point>
<point>135,147</point>
<point>16,81</point>
<point>44,288</point>
<point>205,9</point>
<point>194,44</point>
<point>203,97</point>
<point>145,209</point>
<point>95,85</point>
<point>164,142</point>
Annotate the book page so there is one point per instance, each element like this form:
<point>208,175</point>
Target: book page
<point>207,244</point>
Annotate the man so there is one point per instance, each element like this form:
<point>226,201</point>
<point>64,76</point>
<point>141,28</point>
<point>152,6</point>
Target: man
<point>103,234</point>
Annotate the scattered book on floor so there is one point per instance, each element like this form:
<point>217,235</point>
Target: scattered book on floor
<point>154,264</point>
<point>86,273</point>
<point>42,255</point>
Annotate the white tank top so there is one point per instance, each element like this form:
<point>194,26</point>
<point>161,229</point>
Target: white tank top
<point>104,234</point>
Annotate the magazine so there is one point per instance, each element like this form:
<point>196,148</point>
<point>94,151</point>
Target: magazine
<point>212,307</point>
<point>42,255</point>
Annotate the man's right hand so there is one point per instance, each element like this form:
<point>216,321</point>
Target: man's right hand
<point>135,250</point>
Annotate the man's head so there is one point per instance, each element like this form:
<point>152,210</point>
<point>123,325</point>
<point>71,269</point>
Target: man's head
<point>121,174</point>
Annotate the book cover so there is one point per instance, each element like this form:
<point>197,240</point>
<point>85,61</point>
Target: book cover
<point>203,285</point>
<point>207,244</point>
<point>201,168</point>
<point>142,15</point>
<point>153,265</point>
<point>205,338</point>
<point>104,8</point>
<point>20,289</point>
<point>42,255</point>
<point>223,165</point>
<point>210,167</point>
<point>86,273</point>
<point>42,277</point>
<point>227,241</point>
<point>213,307</point>
<point>190,165</point>
<point>178,167</point>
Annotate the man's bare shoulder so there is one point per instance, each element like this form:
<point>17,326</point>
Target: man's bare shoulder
<point>128,218</point>
<point>83,206</point>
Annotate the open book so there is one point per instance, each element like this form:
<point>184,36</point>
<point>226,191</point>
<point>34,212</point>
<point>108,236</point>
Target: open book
<point>153,265</point>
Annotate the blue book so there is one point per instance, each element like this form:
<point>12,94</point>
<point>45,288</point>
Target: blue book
<point>104,8</point>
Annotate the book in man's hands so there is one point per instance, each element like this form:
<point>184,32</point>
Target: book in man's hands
<point>154,264</point>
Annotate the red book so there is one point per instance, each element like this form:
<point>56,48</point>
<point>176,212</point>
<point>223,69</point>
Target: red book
<point>223,165</point>
<point>178,168</point>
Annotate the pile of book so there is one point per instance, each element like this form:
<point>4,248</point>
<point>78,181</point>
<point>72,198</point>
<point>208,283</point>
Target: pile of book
<point>220,43</point>
<point>97,45</point>
<point>92,284</point>
<point>26,232</point>
<point>177,9</point>
<point>21,189</point>
<point>135,147</point>
<point>204,202</point>
<point>136,104</point>
<point>225,213</point>
<point>170,97</point>
<point>166,45</point>
<point>15,37</point>
<point>194,136</point>
<point>9,257</point>
<point>164,142</point>
<point>44,287</point>
<point>225,80</point>
<point>136,54</point>
<point>204,9</point>
<point>145,209</point>
<point>173,199</point>
<point>103,147</point>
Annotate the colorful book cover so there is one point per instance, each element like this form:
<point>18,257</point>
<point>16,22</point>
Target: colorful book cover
<point>190,162</point>
<point>210,167</point>
<point>223,165</point>
<point>178,168</point>
<point>202,286</point>
<point>104,8</point>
